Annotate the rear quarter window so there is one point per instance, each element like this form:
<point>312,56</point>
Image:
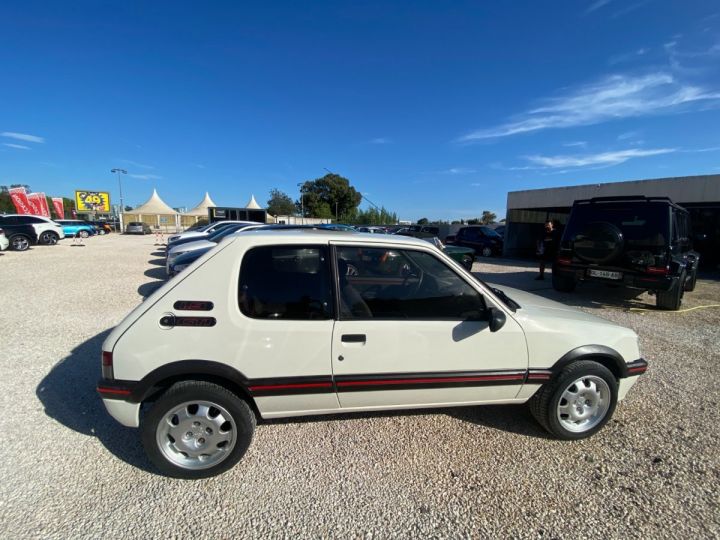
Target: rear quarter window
<point>286,282</point>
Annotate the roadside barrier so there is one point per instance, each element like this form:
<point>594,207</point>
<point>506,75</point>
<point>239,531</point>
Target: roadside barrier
<point>77,240</point>
<point>159,238</point>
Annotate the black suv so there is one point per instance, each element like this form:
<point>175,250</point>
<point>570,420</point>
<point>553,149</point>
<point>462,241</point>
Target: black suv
<point>484,240</point>
<point>639,242</point>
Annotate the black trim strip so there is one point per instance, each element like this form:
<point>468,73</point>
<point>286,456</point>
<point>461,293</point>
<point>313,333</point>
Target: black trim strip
<point>637,367</point>
<point>193,305</point>
<point>281,386</point>
<point>443,379</point>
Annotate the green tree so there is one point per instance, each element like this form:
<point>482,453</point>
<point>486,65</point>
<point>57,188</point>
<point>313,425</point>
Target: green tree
<point>280,203</point>
<point>488,217</point>
<point>328,196</point>
<point>422,221</point>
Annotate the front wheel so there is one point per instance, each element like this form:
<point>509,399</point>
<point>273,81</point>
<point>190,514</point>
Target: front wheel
<point>83,234</point>
<point>578,402</point>
<point>20,242</point>
<point>49,238</point>
<point>197,430</point>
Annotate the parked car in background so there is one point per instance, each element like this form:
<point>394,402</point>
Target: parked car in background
<point>77,227</point>
<point>639,242</point>
<point>4,242</point>
<point>101,227</point>
<point>209,351</point>
<point>416,231</point>
<point>20,237</point>
<point>463,255</point>
<point>337,227</point>
<point>182,261</point>
<point>206,230</point>
<point>48,232</point>
<point>372,230</point>
<point>481,238</point>
<point>137,227</point>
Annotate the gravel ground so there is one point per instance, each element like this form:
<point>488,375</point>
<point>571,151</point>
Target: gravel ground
<point>70,471</point>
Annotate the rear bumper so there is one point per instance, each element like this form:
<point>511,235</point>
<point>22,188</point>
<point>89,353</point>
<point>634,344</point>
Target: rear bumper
<point>630,279</point>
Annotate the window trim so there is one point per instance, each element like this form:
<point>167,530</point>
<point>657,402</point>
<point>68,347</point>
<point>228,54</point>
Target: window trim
<point>322,246</point>
<point>419,249</point>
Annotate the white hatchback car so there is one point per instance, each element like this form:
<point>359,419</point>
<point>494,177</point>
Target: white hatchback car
<point>300,322</point>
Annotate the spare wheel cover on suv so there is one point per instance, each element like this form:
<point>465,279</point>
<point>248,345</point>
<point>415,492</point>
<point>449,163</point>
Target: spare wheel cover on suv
<point>598,242</point>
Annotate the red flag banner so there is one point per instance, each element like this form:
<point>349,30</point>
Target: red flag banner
<point>58,207</point>
<point>20,200</point>
<point>44,208</point>
<point>34,201</point>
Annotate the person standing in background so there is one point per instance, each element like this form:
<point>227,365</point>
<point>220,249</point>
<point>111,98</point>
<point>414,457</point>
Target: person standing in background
<point>547,246</point>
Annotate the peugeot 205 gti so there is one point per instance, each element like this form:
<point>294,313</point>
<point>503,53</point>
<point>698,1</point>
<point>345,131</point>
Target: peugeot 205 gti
<point>301,322</point>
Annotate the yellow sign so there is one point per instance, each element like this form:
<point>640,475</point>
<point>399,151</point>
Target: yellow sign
<point>92,201</point>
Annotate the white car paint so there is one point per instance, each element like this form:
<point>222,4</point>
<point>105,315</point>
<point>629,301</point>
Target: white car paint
<point>534,337</point>
<point>4,242</point>
<point>204,231</point>
<point>44,225</point>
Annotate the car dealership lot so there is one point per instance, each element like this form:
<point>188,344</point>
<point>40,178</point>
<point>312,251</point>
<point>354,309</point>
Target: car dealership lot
<point>71,471</point>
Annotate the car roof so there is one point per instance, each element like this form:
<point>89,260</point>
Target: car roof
<point>296,236</point>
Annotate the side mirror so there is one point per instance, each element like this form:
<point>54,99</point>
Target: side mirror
<point>496,319</point>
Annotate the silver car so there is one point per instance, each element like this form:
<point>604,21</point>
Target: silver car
<point>137,227</point>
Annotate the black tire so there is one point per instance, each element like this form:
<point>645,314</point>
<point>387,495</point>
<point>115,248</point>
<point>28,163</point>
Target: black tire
<point>83,234</point>
<point>20,242</point>
<point>49,238</point>
<point>563,283</point>
<point>242,421</point>
<point>672,299</point>
<point>690,283</point>
<point>546,401</point>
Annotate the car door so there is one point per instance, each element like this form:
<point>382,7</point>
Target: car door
<point>413,332</point>
<point>284,326</point>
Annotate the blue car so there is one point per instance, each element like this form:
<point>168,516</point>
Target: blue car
<point>76,227</point>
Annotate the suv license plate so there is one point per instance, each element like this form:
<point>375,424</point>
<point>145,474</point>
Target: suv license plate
<point>604,274</point>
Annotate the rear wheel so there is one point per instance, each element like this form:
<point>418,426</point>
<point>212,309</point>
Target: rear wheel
<point>197,430</point>
<point>83,234</point>
<point>578,402</point>
<point>486,252</point>
<point>49,238</point>
<point>19,242</point>
<point>563,283</point>
<point>671,299</point>
<point>690,284</point>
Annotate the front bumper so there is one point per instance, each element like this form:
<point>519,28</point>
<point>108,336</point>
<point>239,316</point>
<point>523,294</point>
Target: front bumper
<point>630,278</point>
<point>119,401</point>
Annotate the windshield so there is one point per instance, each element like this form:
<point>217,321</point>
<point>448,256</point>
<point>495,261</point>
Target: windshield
<point>222,233</point>
<point>490,232</point>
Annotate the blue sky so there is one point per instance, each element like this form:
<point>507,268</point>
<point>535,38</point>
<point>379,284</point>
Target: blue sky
<point>432,109</point>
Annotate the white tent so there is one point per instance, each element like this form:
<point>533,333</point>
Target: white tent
<point>155,212</point>
<point>253,204</point>
<point>202,208</point>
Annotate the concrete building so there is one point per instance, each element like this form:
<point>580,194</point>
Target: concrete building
<point>528,210</point>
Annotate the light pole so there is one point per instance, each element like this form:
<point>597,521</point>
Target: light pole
<point>302,202</point>
<point>122,205</point>
<point>119,172</point>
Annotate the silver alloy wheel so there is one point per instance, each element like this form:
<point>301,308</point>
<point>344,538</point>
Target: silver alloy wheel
<point>486,252</point>
<point>584,404</point>
<point>20,243</point>
<point>196,435</point>
<point>83,234</point>
<point>49,238</point>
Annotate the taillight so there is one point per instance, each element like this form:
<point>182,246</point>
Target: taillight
<point>107,365</point>
<point>658,270</point>
<point>564,260</point>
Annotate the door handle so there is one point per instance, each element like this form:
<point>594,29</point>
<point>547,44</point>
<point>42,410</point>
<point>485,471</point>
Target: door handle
<point>353,338</point>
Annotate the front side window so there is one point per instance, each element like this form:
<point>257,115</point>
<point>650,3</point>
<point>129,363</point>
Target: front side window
<point>286,282</point>
<point>380,283</point>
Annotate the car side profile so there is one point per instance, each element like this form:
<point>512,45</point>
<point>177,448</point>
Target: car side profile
<point>137,227</point>
<point>283,323</point>
<point>77,227</point>
<point>484,240</point>
<point>20,237</point>
<point>48,232</point>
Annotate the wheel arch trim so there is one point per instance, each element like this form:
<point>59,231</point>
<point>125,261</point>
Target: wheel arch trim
<point>602,354</point>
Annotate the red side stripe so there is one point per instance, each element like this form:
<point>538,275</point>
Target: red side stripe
<point>386,382</point>
<point>117,391</point>
<point>290,386</point>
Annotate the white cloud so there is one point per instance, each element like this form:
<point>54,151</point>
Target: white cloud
<point>380,140</point>
<point>603,158</point>
<point>136,164</point>
<point>145,176</point>
<point>597,5</point>
<point>581,144</point>
<point>18,146</point>
<point>22,137</point>
<point>628,135</point>
<point>459,170</point>
<point>616,96</point>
